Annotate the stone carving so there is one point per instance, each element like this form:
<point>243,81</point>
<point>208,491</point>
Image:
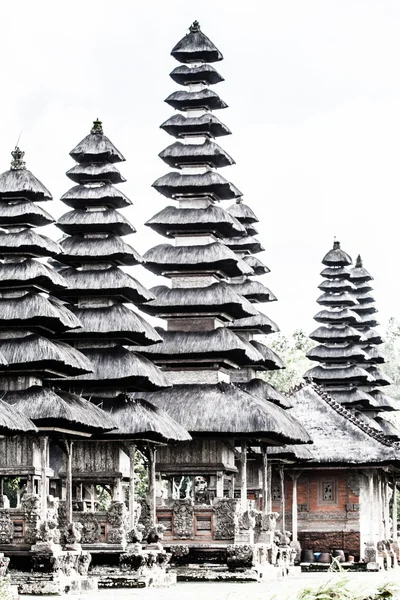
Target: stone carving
<point>224,513</point>
<point>30,504</point>
<point>73,536</point>
<point>91,530</point>
<point>135,535</point>
<point>370,552</point>
<point>302,508</point>
<point>352,507</point>
<point>117,520</point>
<point>84,561</point>
<point>4,562</point>
<point>179,550</point>
<point>6,527</point>
<point>141,561</point>
<point>183,518</point>
<point>144,517</point>
<point>239,556</point>
<point>156,534</point>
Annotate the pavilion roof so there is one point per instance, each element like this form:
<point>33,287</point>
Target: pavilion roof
<point>336,257</point>
<point>13,422</point>
<point>210,184</point>
<point>195,46</point>
<point>208,124</point>
<point>96,148</point>
<point>80,221</point>
<point>179,155</point>
<point>81,196</point>
<point>188,75</point>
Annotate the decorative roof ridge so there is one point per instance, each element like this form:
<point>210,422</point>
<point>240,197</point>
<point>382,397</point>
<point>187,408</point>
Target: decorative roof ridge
<point>17,162</point>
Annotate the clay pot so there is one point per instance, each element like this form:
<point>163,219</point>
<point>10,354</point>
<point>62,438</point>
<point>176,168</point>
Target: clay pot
<point>307,556</point>
<point>350,558</point>
<point>324,557</point>
<point>339,554</point>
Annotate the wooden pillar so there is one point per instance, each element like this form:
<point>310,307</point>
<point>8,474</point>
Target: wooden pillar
<point>232,486</point>
<point>132,503</point>
<point>269,488</point>
<point>265,483</point>
<point>294,475</point>
<point>1,492</point>
<point>283,504</point>
<point>371,502</point>
<point>92,497</point>
<point>243,477</point>
<point>220,484</point>
<point>387,508</point>
<point>44,441</point>
<point>152,485</point>
<point>68,482</point>
<point>394,513</point>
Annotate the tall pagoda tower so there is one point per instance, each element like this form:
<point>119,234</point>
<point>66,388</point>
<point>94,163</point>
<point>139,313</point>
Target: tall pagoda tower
<point>200,350</point>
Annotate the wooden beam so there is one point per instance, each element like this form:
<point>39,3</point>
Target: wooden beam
<point>132,503</point>
<point>265,485</point>
<point>44,440</point>
<point>68,481</point>
<point>152,484</point>
<point>243,477</point>
<point>283,504</point>
<point>294,475</point>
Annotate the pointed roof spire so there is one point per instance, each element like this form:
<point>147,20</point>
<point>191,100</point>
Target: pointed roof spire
<point>359,262</point>
<point>195,27</point>
<point>97,127</point>
<point>336,244</point>
<point>17,162</point>
<point>196,47</point>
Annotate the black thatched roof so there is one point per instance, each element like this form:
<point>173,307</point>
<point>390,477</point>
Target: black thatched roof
<point>241,244</point>
<point>29,273</point>
<point>119,369</point>
<point>216,298</point>
<point>95,172</point>
<point>388,429</point>
<point>224,409</point>
<point>336,257</point>
<point>365,307</point>
<point>258,323</point>
<point>112,323</point>
<point>359,273</point>
<point>199,347</point>
<point>38,355</point>
<point>367,320</point>
<point>338,353</point>
<point>13,422</point>
<point>340,315</point>
<point>100,221</point>
<point>364,297</point>
<point>37,313</point>
<point>102,195</point>
<point>372,336</point>
<point>203,99</point>
<point>337,286</point>
<point>185,75</point>
<point>166,258</point>
<point>265,391</point>
<point>184,155</point>
<point>112,282</point>
<point>335,375</point>
<point>208,124</point>
<point>58,409</point>
<point>242,212</point>
<point>24,213</point>
<point>340,300</point>
<point>337,333</point>
<point>195,47</point>
<point>378,377</point>
<point>210,184</point>
<point>213,219</point>
<point>256,265</point>
<point>138,419</point>
<point>27,243</point>
<point>374,354</point>
<point>384,401</point>
<point>271,361</point>
<point>95,148</point>
<point>353,396</point>
<point>20,183</point>
<point>78,250</point>
<point>254,291</point>
<point>336,272</point>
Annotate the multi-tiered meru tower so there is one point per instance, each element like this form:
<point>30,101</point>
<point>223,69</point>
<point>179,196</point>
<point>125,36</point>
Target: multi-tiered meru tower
<point>200,349</point>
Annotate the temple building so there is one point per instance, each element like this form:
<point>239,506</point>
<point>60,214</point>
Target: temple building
<point>203,484</point>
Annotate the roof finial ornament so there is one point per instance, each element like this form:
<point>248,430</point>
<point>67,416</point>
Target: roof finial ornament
<point>97,127</point>
<point>359,262</point>
<point>336,244</point>
<point>17,162</point>
<point>195,27</point>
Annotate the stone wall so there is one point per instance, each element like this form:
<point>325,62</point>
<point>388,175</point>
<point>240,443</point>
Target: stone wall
<point>322,541</point>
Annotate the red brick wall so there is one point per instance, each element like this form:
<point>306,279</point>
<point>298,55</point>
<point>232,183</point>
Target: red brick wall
<point>320,541</point>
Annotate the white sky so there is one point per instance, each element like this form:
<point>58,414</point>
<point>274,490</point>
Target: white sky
<point>313,90</point>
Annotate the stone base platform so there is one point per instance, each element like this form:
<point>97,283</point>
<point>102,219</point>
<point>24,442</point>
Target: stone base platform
<point>41,584</point>
<point>113,577</point>
<point>323,567</point>
<point>211,572</point>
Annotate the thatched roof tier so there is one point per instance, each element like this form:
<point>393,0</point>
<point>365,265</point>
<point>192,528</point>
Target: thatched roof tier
<point>210,184</point>
<point>196,47</point>
<point>23,213</point>
<point>374,354</point>
<point>112,323</point>
<point>295,453</point>
<point>388,429</point>
<point>359,274</point>
<point>78,250</point>
<point>58,409</point>
<point>81,221</point>
<point>365,308</point>
<point>337,286</point>
<point>364,297</point>
<point>367,320</point>
<point>198,347</point>
<point>336,257</point>
<point>202,99</point>
<point>340,300</point>
<point>185,155</point>
<point>206,74</point>
<point>117,368</point>
<point>95,173</point>
<point>338,353</point>
<point>239,244</point>
<point>258,323</point>
<point>384,401</point>
<point>172,220</point>
<point>102,195</point>
<point>353,396</point>
<point>377,377</point>
<point>208,124</point>
<point>42,357</point>
<point>27,243</point>
<point>362,287</point>
<point>20,183</point>
<point>336,334</point>
<point>13,422</point>
<point>372,336</point>
<point>138,419</point>
<point>28,274</point>
<point>96,148</point>
<point>242,212</point>
<point>36,313</point>
<point>271,361</point>
<point>224,409</point>
<point>216,298</point>
<point>112,282</point>
<point>256,264</point>
<point>336,273</point>
<point>337,316</point>
<point>164,259</point>
<point>265,391</point>
<point>338,375</point>
<point>254,291</point>
<point>339,437</point>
